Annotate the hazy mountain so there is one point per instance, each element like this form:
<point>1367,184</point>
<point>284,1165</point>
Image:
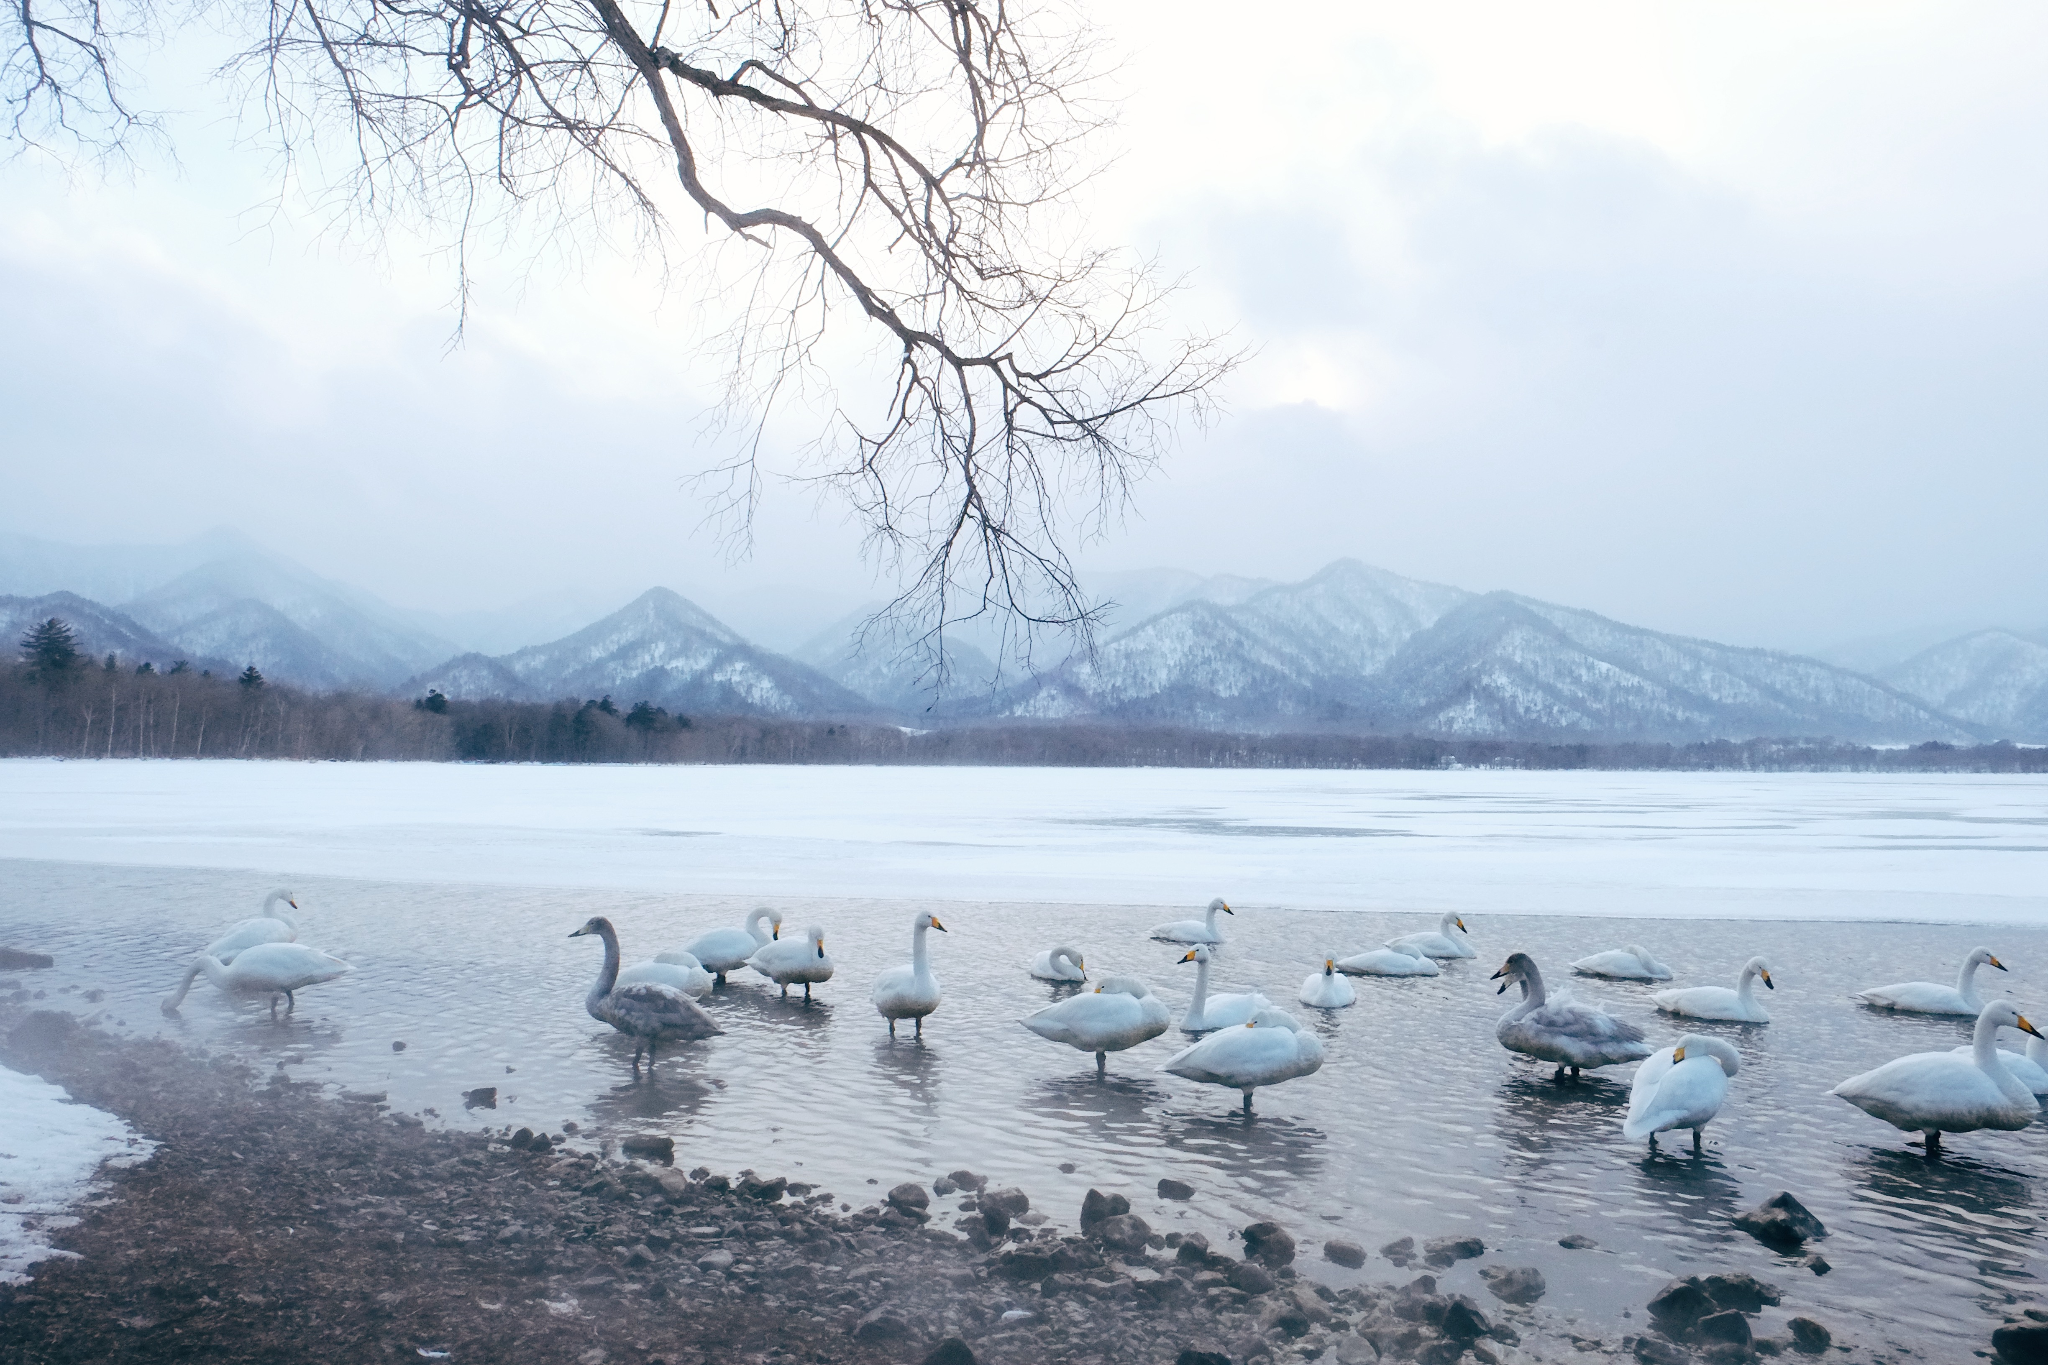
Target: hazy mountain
<point>31,567</point>
<point>660,648</point>
<point>1134,595</point>
<point>896,670</point>
<point>99,631</point>
<point>1995,678</point>
<point>1877,655</point>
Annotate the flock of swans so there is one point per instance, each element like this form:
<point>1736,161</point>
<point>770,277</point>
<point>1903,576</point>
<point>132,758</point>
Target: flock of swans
<point>1242,1040</point>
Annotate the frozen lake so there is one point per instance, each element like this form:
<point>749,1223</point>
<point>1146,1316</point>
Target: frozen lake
<point>453,891</point>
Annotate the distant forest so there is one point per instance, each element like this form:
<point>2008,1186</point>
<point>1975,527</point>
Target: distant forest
<point>56,703</point>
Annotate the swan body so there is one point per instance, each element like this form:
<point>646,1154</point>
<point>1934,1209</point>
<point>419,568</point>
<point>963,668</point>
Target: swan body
<point>910,992</point>
<point>1925,997</point>
<point>272,926</point>
<point>1325,990</point>
<point>1265,1050</point>
<point>1562,1030</point>
<point>1059,964</point>
<point>1950,1092</point>
<point>1721,1002</point>
<point>1632,963</point>
<point>272,969</point>
<point>790,962</point>
<point>1121,1012</point>
<point>647,1012</point>
<point>1206,1011</point>
<point>727,950</point>
<point>2030,1069</point>
<point>1389,962</point>
<point>673,968</point>
<point>1201,930</point>
<point>1438,942</point>
<point>1680,1087</point>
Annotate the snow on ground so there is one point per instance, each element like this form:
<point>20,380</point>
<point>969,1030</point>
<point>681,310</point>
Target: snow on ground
<point>50,1151</point>
<point>1791,846</point>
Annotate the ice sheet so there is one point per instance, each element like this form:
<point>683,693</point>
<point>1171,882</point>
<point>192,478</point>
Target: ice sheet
<point>50,1151</point>
<point>1797,845</point>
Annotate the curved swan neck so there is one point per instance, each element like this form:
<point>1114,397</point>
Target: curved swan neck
<point>184,987</point>
<point>919,963</point>
<point>1746,985</point>
<point>1984,1043</point>
<point>608,974</point>
<point>1532,987</point>
<point>1966,979</point>
<point>754,923</point>
<point>1447,923</point>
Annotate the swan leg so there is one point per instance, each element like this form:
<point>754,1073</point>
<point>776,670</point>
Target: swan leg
<point>721,978</point>
<point>1558,1075</point>
<point>1102,1063</point>
<point>892,1028</point>
<point>920,1026</point>
<point>1247,1104</point>
<point>651,1043</point>
<point>273,1009</point>
<point>1575,1075</point>
<point>1653,1142</point>
<point>1934,1143</point>
<point>807,992</point>
<point>785,990</point>
<point>291,1002</point>
<point>1698,1142</point>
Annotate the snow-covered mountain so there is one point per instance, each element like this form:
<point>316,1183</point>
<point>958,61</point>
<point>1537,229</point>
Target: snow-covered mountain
<point>1358,648</point>
<point>659,648</point>
<point>1997,679</point>
<point>896,670</point>
<point>100,631</point>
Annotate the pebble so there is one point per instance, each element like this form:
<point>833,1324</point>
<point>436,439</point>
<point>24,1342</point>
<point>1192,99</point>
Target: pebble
<point>1344,1253</point>
<point>1269,1242</point>
<point>483,1097</point>
<point>1515,1284</point>
<point>1577,1241</point>
<point>1444,1251</point>
<point>1175,1189</point>
<point>1782,1222</point>
<point>1400,1252</point>
<point>398,1047</point>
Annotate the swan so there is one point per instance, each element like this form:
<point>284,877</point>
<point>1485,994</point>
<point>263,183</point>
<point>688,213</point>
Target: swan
<point>1326,990</point>
<point>727,950</point>
<point>1680,1087</point>
<point>1925,997</point>
<point>1059,964</point>
<point>648,1013</point>
<point>1269,1048</point>
<point>910,992</point>
<point>1206,1011</point>
<point>1121,1012</point>
<point>2030,1070</point>
<point>1632,963</point>
<point>1438,943</point>
<point>271,969</point>
<point>1201,930</point>
<point>1720,1002</point>
<point>1944,1092</point>
<point>673,968</point>
<point>1562,1030</point>
<point>1389,962</point>
<point>786,962</point>
<point>269,927</point>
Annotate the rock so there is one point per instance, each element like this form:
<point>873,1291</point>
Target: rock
<point>1190,1356</point>
<point>660,1148</point>
<point>1741,1291</point>
<point>1348,1254</point>
<point>1096,1206</point>
<point>1175,1189</point>
<point>769,1191</point>
<point>967,1180</point>
<point>12,959</point>
<point>1401,1253</point>
<point>994,1223</point>
<point>1125,1232</point>
<point>398,1046</point>
<point>880,1325</point>
<point>1681,1303</point>
<point>1023,1264</point>
<point>1251,1278</point>
<point>2017,1343</point>
<point>943,1186</point>
<point>1443,1251</point>
<point>483,1097</point>
<point>1651,1351</point>
<point>1311,1305</point>
<point>951,1351</point>
<point>43,1031</point>
<point>721,1259</point>
<point>1782,1222</point>
<point>1818,1264</point>
<point>1515,1284</point>
<point>1728,1325</point>
<point>1194,1250</point>
<point>1809,1338</point>
<point>518,1142</point>
<point>1012,1202</point>
<point>908,1199</point>
<point>1356,1350</point>
<point>1577,1241</point>
<point>1440,1353</point>
<point>1269,1242</point>
<point>1463,1322</point>
<point>1283,1314</point>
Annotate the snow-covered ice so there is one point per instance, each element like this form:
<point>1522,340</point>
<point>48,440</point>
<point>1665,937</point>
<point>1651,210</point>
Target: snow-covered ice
<point>50,1151</point>
<point>1783,845</point>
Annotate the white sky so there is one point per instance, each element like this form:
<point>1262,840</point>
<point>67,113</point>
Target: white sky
<point>1719,318</point>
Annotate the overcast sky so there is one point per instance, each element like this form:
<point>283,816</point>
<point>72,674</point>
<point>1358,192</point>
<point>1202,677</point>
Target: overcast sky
<point>1727,319</point>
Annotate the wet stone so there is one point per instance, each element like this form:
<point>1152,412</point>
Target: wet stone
<point>1401,1253</point>
<point>1444,1251</point>
<point>1348,1254</point>
<point>1250,1277</point>
<point>1781,1221</point>
<point>2016,1343</point>
<point>483,1097</point>
<point>769,1191</point>
<point>951,1351</point>
<point>655,1146</point>
<point>1514,1284</point>
<point>881,1325</point>
<point>966,1179</point>
<point>1269,1242</point>
<point>1741,1291</point>
<point>1012,1202</point>
<point>1681,1303</point>
<point>1175,1189</point>
<point>1190,1356</point>
<point>1577,1241</point>
<point>1125,1232</point>
<point>1651,1351</point>
<point>1463,1322</point>
<point>1727,1326</point>
<point>1097,1206</point>
<point>1810,1338</point>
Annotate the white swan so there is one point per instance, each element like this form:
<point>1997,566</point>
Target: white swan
<point>727,950</point>
<point>648,1013</point>
<point>1267,1049</point>
<point>1201,930</point>
<point>1562,1030</point>
<point>2030,1069</point>
<point>1946,1092</point>
<point>1925,997</point>
<point>1720,1002</point>
<point>1206,1011</point>
<point>1059,964</point>
<point>1680,1087</point>
<point>673,968</point>
<point>1389,962</point>
<point>1632,963</point>
<point>271,926</point>
<point>787,962</point>
<point>1438,942</point>
<point>1326,990</point>
<point>272,969</point>
<point>1121,1012</point>
<point>910,992</point>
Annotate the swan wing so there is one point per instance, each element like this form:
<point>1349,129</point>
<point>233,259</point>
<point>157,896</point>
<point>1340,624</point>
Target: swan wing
<point>1686,1095</point>
<point>651,1010</point>
<point>1935,1090</point>
<point>1921,997</point>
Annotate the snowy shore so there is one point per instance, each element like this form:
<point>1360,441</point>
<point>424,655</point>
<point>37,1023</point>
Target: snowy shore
<point>51,1153</point>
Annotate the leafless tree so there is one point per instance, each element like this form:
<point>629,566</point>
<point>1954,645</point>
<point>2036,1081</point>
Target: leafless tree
<point>890,192</point>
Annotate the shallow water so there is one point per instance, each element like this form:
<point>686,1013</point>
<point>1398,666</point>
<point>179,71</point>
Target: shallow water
<point>1418,1123</point>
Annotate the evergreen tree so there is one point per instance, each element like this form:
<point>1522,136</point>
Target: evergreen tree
<point>144,667</point>
<point>433,701</point>
<point>51,650</point>
<point>251,679</point>
<point>179,667</point>
<point>110,663</point>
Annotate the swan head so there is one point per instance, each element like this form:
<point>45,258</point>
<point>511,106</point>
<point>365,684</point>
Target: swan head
<point>1218,904</point>
<point>596,924</point>
<point>1272,1018</point>
<point>1123,985</point>
<point>1987,957</point>
<point>1757,965</point>
<point>1701,1045</point>
<point>775,924</point>
<point>817,937</point>
<point>1199,953</point>
<point>1459,920</point>
<point>930,921</point>
<point>1329,966</point>
<point>1518,967</point>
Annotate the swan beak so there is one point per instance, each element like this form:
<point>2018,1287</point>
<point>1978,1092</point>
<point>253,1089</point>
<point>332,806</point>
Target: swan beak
<point>1251,1023</point>
<point>938,926</point>
<point>1190,956</point>
<point>292,903</point>
<point>1503,987</point>
<point>1461,927</point>
<point>2024,1027</point>
<point>578,933</point>
<point>1996,963</point>
<point>1678,1054</point>
<point>1228,911</point>
<point>1329,964</point>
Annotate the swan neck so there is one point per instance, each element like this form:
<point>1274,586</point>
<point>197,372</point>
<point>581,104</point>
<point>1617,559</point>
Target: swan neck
<point>919,963</point>
<point>185,986</point>
<point>754,923</point>
<point>1984,1044</point>
<point>1201,988</point>
<point>608,974</point>
<point>215,971</point>
<point>1532,987</point>
<point>1966,980</point>
<point>1447,923</point>
<point>1745,986</point>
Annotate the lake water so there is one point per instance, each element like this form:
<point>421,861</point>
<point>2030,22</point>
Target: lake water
<point>1418,1124</point>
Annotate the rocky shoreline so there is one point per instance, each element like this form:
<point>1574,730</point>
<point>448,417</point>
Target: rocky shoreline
<point>279,1222</point>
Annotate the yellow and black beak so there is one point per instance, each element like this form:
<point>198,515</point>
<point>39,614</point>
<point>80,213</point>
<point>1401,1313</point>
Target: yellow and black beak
<point>938,926</point>
<point>1228,911</point>
<point>1461,926</point>
<point>1678,1054</point>
<point>1190,957</point>
<point>2024,1027</point>
<point>292,903</point>
<point>1769,984</point>
<point>1996,963</point>
<point>1329,964</point>
<point>1497,976</point>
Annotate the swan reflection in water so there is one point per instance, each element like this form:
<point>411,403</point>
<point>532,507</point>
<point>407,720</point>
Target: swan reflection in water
<point>680,1091</point>
<point>912,1069</point>
<point>1135,1114</point>
<point>1960,1216</point>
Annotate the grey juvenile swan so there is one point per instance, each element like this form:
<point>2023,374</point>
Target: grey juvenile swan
<point>647,1013</point>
